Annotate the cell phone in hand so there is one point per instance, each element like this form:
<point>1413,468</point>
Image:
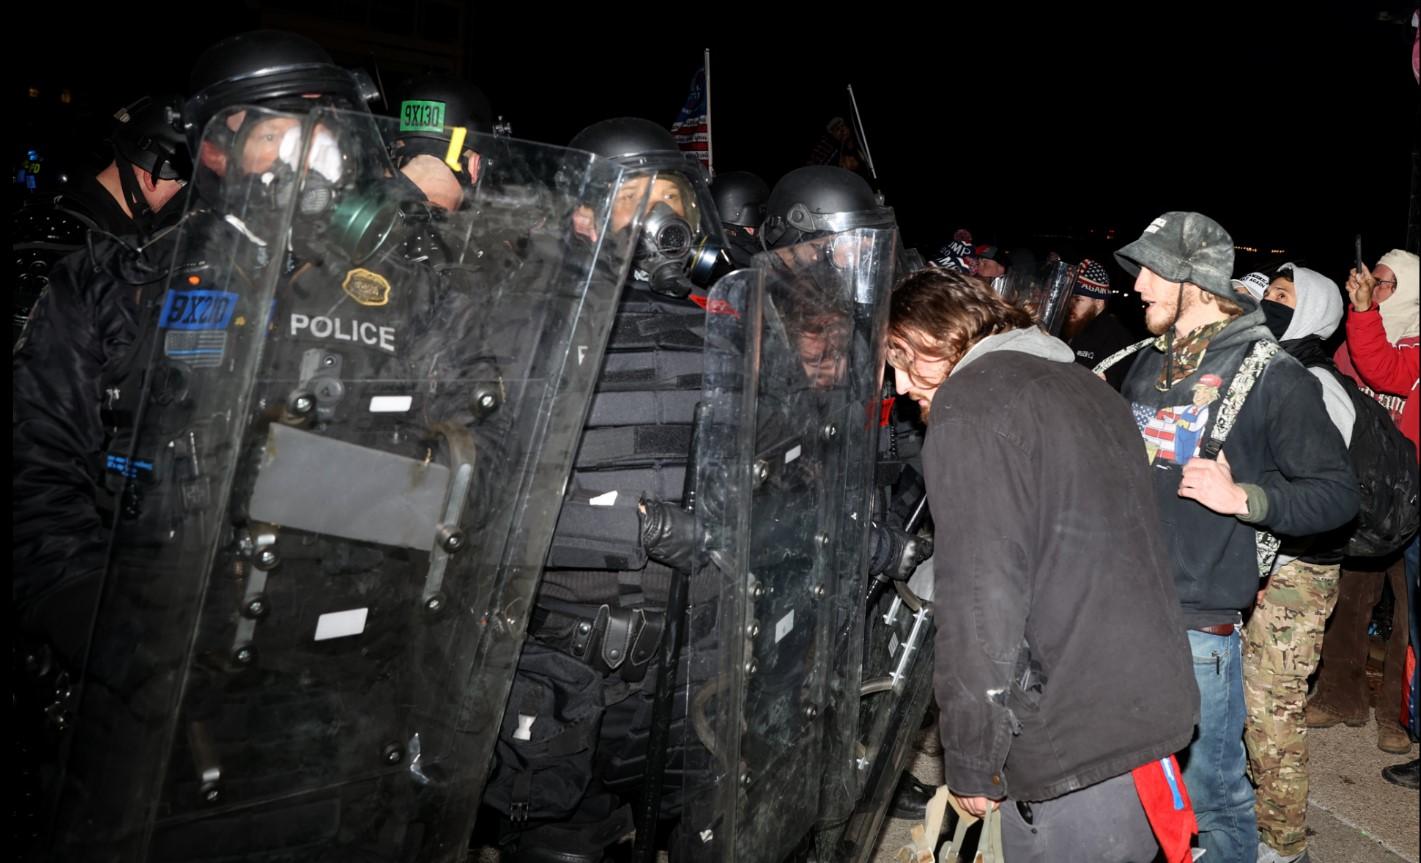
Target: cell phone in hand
<point>1357,247</point>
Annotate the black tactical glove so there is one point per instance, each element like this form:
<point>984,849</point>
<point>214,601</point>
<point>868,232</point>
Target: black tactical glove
<point>668,533</point>
<point>896,553</point>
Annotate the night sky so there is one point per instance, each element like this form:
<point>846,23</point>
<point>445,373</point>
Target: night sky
<point>1292,128</point>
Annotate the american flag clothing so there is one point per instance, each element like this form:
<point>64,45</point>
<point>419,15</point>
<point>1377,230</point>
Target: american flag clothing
<point>1173,434</point>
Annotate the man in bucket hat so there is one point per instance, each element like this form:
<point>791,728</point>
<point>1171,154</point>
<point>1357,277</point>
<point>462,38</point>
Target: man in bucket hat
<point>1283,468</point>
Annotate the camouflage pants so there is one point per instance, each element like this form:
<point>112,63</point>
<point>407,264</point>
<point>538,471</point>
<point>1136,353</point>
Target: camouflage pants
<point>1281,647</point>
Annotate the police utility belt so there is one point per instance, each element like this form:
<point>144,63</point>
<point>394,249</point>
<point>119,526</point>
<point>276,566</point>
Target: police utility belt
<point>612,640</point>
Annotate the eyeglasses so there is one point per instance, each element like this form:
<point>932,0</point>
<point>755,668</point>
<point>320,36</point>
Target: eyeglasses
<point>1380,282</point>
<point>905,360</point>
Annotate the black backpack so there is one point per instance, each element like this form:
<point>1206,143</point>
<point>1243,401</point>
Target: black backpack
<point>1387,474</point>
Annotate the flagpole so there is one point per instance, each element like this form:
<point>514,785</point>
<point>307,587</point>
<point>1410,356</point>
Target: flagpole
<point>862,135</point>
<point>710,145</point>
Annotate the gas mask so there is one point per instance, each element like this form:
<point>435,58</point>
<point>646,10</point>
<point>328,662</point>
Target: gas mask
<point>334,216</point>
<point>672,257</point>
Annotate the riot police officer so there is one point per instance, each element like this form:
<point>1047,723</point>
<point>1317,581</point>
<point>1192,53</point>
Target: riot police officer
<point>818,200</point>
<point>588,670</point>
<point>740,198</point>
<point>441,118</point>
<point>80,341</point>
<point>149,167</point>
<point>79,378</point>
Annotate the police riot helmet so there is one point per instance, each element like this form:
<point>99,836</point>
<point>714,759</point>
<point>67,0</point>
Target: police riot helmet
<point>817,200</point>
<point>740,198</point>
<point>441,116</point>
<point>630,141</point>
<point>149,136</point>
<point>434,105</point>
<point>271,68</point>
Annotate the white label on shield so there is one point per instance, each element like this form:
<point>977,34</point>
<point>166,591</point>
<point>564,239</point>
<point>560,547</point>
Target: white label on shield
<point>390,404</point>
<point>784,626</point>
<point>339,624</point>
<point>608,499</point>
<point>892,645</point>
<point>525,727</point>
<point>793,453</point>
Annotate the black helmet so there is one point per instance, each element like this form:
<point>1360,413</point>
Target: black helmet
<point>149,135</point>
<point>440,116</point>
<point>740,198</point>
<point>628,140</point>
<point>272,68</point>
<point>818,200</point>
<point>431,106</point>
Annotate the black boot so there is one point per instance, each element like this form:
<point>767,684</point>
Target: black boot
<point>1404,775</point>
<point>910,798</point>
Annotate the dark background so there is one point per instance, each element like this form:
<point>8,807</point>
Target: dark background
<point>1293,126</point>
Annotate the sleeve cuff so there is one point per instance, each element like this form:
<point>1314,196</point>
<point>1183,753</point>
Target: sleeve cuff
<point>973,780</point>
<point>1257,503</point>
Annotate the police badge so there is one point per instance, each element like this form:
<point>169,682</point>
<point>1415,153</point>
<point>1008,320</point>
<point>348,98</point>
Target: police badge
<point>366,288</point>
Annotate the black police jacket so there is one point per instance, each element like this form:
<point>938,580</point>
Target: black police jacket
<point>73,369</point>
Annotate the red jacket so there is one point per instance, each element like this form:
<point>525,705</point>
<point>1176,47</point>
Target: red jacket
<point>1391,372</point>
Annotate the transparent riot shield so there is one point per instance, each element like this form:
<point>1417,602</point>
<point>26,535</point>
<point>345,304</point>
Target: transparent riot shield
<point>786,454</point>
<point>896,691</point>
<point>1045,292</point>
<point>909,261</point>
<point>358,420</point>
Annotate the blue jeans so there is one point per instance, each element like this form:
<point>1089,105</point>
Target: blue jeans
<point>1215,764</point>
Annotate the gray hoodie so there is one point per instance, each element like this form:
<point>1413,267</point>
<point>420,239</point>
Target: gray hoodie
<point>1319,313</point>
<point>1027,340</point>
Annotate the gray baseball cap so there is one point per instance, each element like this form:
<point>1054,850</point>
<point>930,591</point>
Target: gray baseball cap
<point>1185,247</point>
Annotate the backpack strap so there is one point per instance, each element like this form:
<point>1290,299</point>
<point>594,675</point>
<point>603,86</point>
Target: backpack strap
<point>1105,364</point>
<point>1247,375</point>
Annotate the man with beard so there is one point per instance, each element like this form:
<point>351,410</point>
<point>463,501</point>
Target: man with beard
<point>1283,468</point>
<point>1092,332</point>
<point>991,261</point>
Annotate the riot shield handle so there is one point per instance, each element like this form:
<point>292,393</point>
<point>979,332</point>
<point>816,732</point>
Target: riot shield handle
<point>258,546</point>
<point>449,539</point>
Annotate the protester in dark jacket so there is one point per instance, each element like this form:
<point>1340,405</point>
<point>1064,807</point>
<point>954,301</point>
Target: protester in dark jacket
<point>1283,468</point>
<point>1061,659</point>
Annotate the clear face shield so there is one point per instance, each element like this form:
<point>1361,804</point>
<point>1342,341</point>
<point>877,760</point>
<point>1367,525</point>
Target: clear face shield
<point>800,224</point>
